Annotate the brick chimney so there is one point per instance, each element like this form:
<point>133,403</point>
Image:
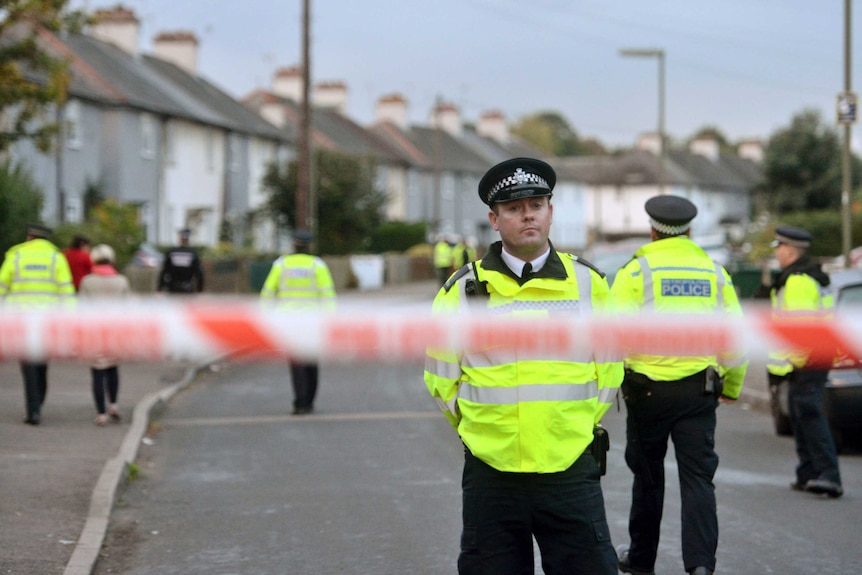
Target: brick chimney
<point>180,48</point>
<point>118,26</point>
<point>705,146</point>
<point>492,124</point>
<point>446,115</point>
<point>392,108</point>
<point>751,150</point>
<point>330,95</point>
<point>287,83</point>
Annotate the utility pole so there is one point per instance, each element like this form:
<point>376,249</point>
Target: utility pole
<point>438,132</point>
<point>850,109</point>
<point>303,175</point>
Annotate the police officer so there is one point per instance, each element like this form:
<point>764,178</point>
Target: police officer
<point>300,281</point>
<point>35,275</point>
<point>803,286</point>
<point>527,422</point>
<point>182,272</point>
<point>442,258</point>
<point>674,397</point>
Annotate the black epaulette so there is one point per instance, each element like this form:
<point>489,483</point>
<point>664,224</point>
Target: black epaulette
<point>588,264</point>
<point>462,271</point>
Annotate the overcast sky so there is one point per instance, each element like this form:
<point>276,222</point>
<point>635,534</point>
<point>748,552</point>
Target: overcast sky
<point>744,66</point>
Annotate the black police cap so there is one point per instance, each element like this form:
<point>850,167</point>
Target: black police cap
<point>670,215</point>
<point>302,237</point>
<point>38,231</point>
<point>796,237</point>
<point>515,179</point>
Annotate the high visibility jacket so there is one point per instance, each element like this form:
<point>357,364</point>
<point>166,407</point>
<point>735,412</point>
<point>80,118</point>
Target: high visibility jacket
<point>299,281</point>
<point>459,255</point>
<point>675,276</point>
<point>442,255</point>
<point>519,412</point>
<point>801,294</point>
<point>36,275</point>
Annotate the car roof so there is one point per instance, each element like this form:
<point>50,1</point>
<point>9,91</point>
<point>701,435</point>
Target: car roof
<point>842,278</point>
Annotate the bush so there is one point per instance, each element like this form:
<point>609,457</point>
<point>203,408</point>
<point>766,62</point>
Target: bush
<point>398,236</point>
<point>20,203</point>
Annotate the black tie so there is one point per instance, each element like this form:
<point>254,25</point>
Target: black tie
<point>528,269</point>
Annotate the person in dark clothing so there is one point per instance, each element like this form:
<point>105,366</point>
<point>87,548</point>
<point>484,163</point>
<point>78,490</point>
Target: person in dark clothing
<point>182,272</point>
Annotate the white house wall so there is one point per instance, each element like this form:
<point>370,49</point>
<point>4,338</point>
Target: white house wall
<point>568,231</point>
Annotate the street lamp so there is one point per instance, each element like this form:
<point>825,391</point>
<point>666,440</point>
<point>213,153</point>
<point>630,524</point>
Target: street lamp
<point>657,53</point>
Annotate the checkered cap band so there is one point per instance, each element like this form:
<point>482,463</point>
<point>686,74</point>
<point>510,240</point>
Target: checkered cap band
<point>519,178</point>
<point>669,230</point>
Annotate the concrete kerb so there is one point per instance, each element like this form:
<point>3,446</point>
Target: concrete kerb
<point>115,473</point>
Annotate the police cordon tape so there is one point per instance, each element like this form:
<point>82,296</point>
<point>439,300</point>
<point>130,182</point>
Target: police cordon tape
<point>171,329</point>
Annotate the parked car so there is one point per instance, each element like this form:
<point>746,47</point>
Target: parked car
<point>147,256</point>
<point>842,400</point>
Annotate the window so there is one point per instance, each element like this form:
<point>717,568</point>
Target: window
<point>74,138</point>
<point>148,136</point>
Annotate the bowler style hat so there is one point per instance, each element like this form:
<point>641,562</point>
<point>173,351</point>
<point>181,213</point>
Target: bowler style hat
<point>38,231</point>
<point>796,237</point>
<point>515,179</point>
<point>670,215</point>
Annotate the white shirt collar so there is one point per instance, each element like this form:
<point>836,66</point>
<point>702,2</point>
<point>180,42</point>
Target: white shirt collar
<point>517,264</point>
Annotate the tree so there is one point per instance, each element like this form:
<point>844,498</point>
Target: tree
<point>349,207</point>
<point>802,166</point>
<point>32,80</point>
<point>20,204</point>
<point>550,132</point>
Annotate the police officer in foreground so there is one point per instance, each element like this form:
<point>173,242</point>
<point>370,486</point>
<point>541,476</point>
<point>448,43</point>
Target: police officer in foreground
<point>802,286</point>
<point>35,276</point>
<point>182,272</point>
<point>300,282</point>
<point>674,397</point>
<point>527,422</point>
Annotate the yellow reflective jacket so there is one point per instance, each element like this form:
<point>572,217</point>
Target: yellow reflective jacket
<point>36,275</point>
<point>442,255</point>
<point>531,413</point>
<point>801,287</point>
<point>299,281</point>
<point>674,275</point>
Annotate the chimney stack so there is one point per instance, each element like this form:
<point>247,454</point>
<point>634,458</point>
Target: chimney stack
<point>649,142</point>
<point>707,147</point>
<point>331,95</point>
<point>287,83</point>
<point>446,115</point>
<point>180,48</point>
<point>392,108</point>
<point>118,26</point>
<point>751,150</point>
<point>492,124</point>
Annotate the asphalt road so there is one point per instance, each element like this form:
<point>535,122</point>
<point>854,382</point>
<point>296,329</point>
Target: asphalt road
<point>371,484</point>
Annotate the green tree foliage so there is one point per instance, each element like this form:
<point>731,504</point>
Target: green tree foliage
<point>802,167</point>
<point>108,222</point>
<point>551,133</point>
<point>20,203</point>
<point>398,236</point>
<point>823,225</point>
<point>32,80</point>
<point>349,207</point>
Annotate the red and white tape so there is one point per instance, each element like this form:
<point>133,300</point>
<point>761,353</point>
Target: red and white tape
<point>243,330</point>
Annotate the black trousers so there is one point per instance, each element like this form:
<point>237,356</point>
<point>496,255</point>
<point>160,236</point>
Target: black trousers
<point>35,386</point>
<point>814,444</point>
<point>105,382</point>
<point>304,379</point>
<point>564,511</point>
<point>680,411</point>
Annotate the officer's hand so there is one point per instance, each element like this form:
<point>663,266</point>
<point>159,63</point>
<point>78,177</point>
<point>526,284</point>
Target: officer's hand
<point>725,399</point>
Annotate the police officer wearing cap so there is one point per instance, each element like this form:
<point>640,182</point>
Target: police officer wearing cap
<point>300,282</point>
<point>802,286</point>
<point>674,396</point>
<point>527,421</point>
<point>35,276</point>
<point>182,272</point>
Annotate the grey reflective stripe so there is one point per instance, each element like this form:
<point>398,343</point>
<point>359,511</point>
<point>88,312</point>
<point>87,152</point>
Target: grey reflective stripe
<point>440,368</point>
<point>776,362</point>
<point>719,285</point>
<point>451,406</point>
<point>649,292</point>
<point>607,394</point>
<point>496,357</point>
<point>526,393</point>
<point>585,288</point>
<point>733,361</point>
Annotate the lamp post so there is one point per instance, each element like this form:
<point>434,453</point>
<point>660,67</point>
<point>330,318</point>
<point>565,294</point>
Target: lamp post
<point>657,53</point>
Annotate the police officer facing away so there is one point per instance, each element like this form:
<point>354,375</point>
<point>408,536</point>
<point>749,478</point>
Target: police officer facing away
<point>802,287</point>
<point>300,281</point>
<point>35,275</point>
<point>182,272</point>
<point>526,421</point>
<point>674,397</point>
